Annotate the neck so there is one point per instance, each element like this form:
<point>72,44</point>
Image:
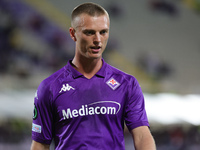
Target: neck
<point>88,67</point>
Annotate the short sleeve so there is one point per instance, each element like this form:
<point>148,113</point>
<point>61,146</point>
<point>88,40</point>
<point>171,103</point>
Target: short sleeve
<point>135,113</point>
<point>42,117</point>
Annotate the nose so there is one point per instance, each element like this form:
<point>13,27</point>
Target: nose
<point>97,38</point>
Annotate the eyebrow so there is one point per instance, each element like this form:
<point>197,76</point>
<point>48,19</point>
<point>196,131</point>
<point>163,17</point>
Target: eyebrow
<point>85,30</point>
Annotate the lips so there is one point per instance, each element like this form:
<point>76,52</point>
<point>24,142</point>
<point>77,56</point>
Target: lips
<point>96,48</point>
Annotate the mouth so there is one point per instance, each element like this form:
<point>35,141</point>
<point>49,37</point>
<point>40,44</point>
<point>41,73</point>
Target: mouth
<point>95,48</point>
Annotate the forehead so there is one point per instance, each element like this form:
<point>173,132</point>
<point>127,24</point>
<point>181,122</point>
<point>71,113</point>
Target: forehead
<point>85,21</point>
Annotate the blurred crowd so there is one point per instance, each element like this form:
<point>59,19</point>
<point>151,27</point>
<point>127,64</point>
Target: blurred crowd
<point>178,138</point>
<point>25,36</point>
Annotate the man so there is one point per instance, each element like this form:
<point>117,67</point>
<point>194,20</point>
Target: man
<point>84,105</point>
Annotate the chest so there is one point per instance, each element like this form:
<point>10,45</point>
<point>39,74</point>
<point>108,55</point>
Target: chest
<point>85,97</point>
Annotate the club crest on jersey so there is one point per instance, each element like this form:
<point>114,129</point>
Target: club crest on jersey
<point>112,83</point>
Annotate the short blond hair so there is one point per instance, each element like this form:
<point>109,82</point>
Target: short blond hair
<point>90,9</point>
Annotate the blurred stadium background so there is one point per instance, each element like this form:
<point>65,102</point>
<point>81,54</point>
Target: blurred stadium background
<point>157,41</point>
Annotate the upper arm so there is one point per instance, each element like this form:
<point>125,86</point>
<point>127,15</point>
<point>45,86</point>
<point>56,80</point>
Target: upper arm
<point>39,146</point>
<point>43,115</point>
<point>135,113</point>
<point>143,140</point>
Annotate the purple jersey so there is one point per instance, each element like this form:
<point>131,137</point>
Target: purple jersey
<point>87,114</point>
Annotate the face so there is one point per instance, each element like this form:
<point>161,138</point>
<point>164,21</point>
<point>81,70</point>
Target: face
<point>91,35</point>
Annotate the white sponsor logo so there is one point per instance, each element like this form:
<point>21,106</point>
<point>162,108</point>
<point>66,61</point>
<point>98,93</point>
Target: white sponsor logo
<point>92,109</point>
<point>36,128</point>
<point>66,87</point>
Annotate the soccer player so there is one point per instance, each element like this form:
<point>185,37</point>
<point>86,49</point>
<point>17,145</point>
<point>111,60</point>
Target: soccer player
<point>84,105</point>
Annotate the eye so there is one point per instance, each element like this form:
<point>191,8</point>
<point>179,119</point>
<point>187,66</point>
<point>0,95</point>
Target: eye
<point>103,31</point>
<point>89,32</point>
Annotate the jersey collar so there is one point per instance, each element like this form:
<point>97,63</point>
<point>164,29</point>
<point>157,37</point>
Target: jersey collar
<point>76,74</point>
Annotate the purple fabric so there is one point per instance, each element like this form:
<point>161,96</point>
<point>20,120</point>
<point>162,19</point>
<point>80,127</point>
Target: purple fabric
<point>81,113</point>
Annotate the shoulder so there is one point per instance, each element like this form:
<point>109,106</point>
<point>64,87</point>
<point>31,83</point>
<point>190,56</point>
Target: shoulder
<point>50,82</point>
<point>113,71</point>
<point>52,78</point>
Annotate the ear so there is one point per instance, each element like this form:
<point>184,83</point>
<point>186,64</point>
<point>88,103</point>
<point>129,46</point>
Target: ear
<point>72,33</point>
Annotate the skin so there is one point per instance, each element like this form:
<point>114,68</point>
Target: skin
<point>143,139</point>
<point>91,33</point>
<point>39,146</point>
